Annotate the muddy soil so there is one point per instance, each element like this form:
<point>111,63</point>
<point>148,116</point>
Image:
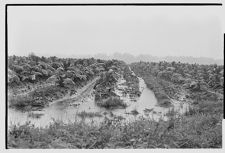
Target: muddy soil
<point>68,108</point>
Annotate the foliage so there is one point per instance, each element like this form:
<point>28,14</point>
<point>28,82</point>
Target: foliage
<point>112,103</point>
<point>196,131</point>
<point>33,69</point>
<point>62,74</point>
<point>201,127</point>
<point>178,73</point>
<point>21,101</point>
<point>85,114</point>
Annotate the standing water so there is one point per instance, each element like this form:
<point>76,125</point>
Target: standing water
<point>145,105</point>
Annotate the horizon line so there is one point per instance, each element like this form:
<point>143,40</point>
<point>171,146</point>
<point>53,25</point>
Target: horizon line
<point>111,54</point>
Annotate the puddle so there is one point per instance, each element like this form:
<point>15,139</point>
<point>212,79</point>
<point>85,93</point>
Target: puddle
<point>145,105</point>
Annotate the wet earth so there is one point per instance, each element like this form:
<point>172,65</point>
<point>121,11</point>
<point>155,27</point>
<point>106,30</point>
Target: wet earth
<point>67,111</point>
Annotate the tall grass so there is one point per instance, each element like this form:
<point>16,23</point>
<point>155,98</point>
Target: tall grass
<point>201,127</point>
<point>198,131</point>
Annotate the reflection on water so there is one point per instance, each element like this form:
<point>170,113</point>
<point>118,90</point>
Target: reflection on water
<point>145,105</point>
<point>56,111</point>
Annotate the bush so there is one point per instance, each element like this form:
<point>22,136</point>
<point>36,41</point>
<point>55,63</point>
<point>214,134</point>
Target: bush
<point>134,112</point>
<point>112,103</point>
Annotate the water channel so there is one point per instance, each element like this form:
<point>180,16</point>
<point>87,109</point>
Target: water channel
<point>145,105</point>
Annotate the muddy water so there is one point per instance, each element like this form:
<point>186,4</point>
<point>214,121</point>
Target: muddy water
<point>144,106</point>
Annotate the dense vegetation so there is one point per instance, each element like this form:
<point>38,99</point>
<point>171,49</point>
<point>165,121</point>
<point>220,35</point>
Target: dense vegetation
<point>198,77</point>
<point>199,85</point>
<point>33,69</point>
<point>36,81</point>
<point>105,95</point>
<point>171,80</point>
<point>198,131</point>
<point>202,86</point>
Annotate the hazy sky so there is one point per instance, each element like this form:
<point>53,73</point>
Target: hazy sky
<point>159,31</point>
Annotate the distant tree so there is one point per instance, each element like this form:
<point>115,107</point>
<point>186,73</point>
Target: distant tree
<point>33,57</point>
<point>43,59</point>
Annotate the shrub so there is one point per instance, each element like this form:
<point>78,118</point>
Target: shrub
<point>134,112</point>
<point>112,103</point>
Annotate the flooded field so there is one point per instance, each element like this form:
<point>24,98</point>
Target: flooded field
<point>145,105</point>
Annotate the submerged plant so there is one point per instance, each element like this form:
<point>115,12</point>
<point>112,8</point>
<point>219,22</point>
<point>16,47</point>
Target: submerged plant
<point>134,112</point>
<point>112,103</point>
<point>85,114</point>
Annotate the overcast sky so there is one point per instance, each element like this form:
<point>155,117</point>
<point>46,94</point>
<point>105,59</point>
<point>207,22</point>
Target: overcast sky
<point>159,31</point>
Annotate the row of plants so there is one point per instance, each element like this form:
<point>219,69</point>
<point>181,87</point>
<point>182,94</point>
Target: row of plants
<point>33,69</point>
<point>201,127</point>
<point>195,76</point>
<point>55,77</point>
<point>105,95</point>
<point>206,99</point>
<point>132,82</point>
<point>167,79</point>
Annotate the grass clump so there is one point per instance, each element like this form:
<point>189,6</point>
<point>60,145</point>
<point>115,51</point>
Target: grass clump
<point>35,115</point>
<point>25,103</point>
<point>198,131</point>
<point>85,114</point>
<point>112,103</point>
<point>134,112</point>
<point>20,101</point>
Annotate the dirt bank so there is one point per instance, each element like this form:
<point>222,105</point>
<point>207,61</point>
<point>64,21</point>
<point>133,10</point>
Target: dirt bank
<point>41,97</point>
